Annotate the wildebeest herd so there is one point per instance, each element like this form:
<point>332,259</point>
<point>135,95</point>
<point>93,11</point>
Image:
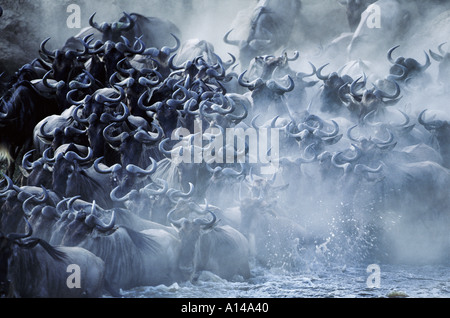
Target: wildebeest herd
<point>91,132</point>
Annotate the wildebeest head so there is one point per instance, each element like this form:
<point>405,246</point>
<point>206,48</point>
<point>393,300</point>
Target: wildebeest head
<point>333,85</point>
<point>85,223</point>
<point>71,178</point>
<point>190,232</point>
<point>314,134</point>
<point>369,149</point>
<point>113,31</point>
<point>373,99</point>
<point>65,64</point>
<point>404,69</point>
<point>264,66</point>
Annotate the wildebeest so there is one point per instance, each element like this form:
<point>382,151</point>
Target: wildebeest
<point>206,246</point>
<point>155,32</point>
<point>267,29</point>
<point>132,258</point>
<point>439,129</point>
<point>32,268</point>
<point>444,64</point>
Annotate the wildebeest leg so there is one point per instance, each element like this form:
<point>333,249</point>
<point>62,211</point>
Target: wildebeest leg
<point>195,276</point>
<point>112,291</point>
<point>4,289</point>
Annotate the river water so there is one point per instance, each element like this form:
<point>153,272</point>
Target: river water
<point>348,282</point>
<point>417,281</point>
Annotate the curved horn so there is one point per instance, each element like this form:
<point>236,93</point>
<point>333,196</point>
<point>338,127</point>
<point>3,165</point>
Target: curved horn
<point>129,71</point>
<point>273,85</point>
<point>389,54</point>
<point>113,195</point>
<point>435,56</point>
<point>72,156</point>
<point>53,85</point>
<point>59,206</point>
<point>94,24</point>
<point>46,156</point>
<point>228,64</point>
<point>107,118</point>
<point>174,67</point>
<point>26,164</point>
<point>400,77</point>
<point>165,187</point>
<point>172,194</point>
<point>204,222</point>
<point>366,119</point>
<point>229,172</point>
<point>100,225</point>
<point>384,142</point>
<point>353,87</point>
<point>49,54</point>
<point>100,98</point>
<point>407,120</point>
<point>427,63</point>
<point>45,137</point>
<point>334,162</point>
<point>116,167</point>
<point>74,102</point>
<point>359,168</point>
<point>137,170</point>
<point>252,85</point>
<point>294,58</point>
<point>236,118</point>
<point>147,94</point>
<point>131,49</point>
<point>349,134</point>
<point>25,208</point>
<point>169,50</point>
<point>357,155</point>
<point>170,219</point>
<point>322,134</point>
<point>319,73</point>
<point>18,236</point>
<point>113,140</point>
<point>162,150</point>
<point>129,25</point>
<point>301,75</point>
<point>231,42</point>
<point>429,126</point>
<point>392,96</point>
<point>74,84</point>
<point>145,137</point>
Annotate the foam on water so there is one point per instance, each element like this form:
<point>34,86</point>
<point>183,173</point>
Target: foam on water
<point>430,281</point>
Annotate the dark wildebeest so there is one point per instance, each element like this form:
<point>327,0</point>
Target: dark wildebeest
<point>30,267</point>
